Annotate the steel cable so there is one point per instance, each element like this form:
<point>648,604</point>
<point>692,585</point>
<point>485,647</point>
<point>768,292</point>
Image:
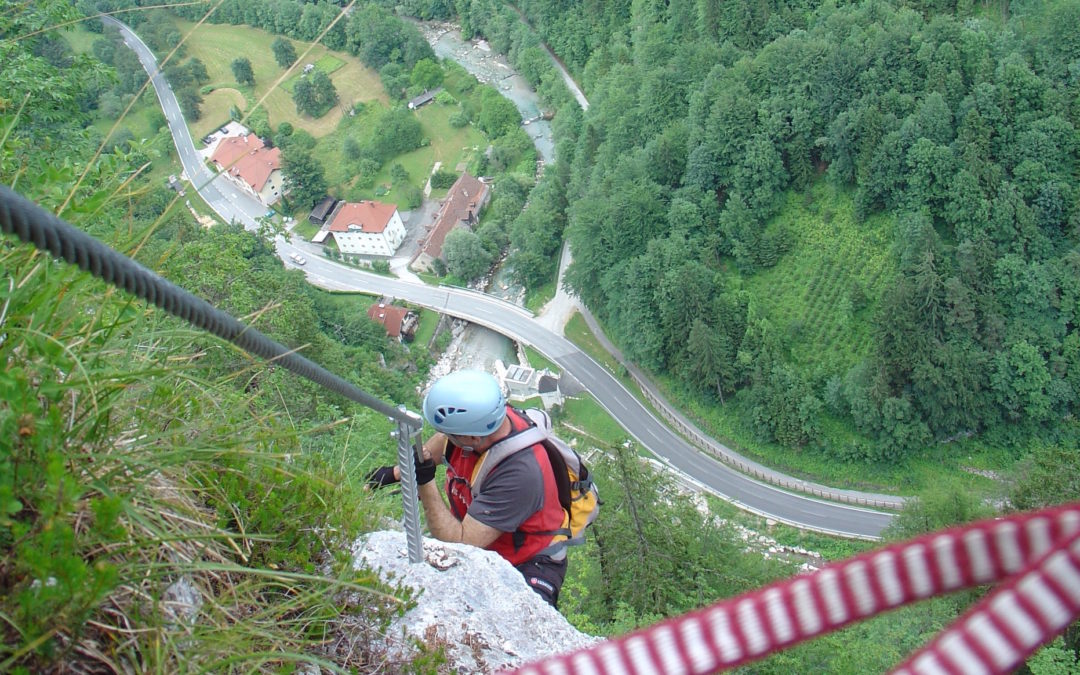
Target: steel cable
<point>33,224</point>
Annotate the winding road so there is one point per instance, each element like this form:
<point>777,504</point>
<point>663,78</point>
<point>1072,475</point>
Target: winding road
<point>795,509</point>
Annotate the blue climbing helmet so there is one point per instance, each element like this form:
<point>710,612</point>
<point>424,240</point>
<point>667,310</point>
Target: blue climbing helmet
<point>465,403</point>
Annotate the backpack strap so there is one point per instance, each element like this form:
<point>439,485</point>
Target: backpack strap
<point>516,442</point>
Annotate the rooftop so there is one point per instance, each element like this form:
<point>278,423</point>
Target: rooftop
<point>462,205</point>
<point>366,216</point>
<point>247,158</point>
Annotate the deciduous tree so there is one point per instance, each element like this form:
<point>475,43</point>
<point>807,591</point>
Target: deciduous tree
<point>465,255</point>
<point>314,94</point>
<point>284,52</point>
<point>305,179</point>
<point>242,71</point>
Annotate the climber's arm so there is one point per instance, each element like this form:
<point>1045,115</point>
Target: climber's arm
<point>445,527</point>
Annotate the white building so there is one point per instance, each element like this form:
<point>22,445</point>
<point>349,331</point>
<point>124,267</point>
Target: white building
<point>365,228</point>
<point>524,382</point>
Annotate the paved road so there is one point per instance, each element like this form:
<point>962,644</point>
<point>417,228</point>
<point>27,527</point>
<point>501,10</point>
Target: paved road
<point>639,422</point>
<point>520,325</point>
<point>229,202</point>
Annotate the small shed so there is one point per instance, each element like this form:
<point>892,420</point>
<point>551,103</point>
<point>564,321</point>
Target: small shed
<point>425,98</point>
<point>322,210</point>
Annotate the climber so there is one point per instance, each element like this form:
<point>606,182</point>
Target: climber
<point>517,512</point>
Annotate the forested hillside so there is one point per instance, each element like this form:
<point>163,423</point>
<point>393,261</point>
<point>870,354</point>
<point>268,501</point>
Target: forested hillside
<point>930,149</point>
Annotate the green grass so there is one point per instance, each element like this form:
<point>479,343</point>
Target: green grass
<point>162,469</point>
<point>327,64</point>
<point>583,412</point>
<point>536,298</point>
<point>80,39</point>
<point>425,330</point>
<point>812,294</point>
<point>217,45</point>
<point>577,331</point>
<point>431,279</point>
<point>445,144</point>
<point>537,360</point>
<point>304,228</point>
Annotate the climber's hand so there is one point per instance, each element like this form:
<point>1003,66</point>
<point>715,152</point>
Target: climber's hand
<point>425,470</point>
<point>381,477</point>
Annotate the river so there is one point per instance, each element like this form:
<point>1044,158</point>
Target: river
<point>479,59</point>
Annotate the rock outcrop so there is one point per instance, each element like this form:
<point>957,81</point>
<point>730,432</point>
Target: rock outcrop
<point>470,602</point>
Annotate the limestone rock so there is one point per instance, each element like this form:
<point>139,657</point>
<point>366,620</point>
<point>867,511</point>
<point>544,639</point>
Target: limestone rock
<point>471,602</point>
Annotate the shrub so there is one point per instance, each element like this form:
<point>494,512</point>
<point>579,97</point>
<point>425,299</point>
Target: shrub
<point>411,196</point>
<point>442,180</point>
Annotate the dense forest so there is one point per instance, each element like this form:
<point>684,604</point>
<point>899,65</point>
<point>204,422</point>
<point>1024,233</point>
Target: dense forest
<point>957,123</point>
<point>721,138</point>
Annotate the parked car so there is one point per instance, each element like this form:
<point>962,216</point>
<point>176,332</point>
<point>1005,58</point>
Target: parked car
<point>297,258</point>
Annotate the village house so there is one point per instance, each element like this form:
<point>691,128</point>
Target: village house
<point>461,207</point>
<point>251,166</point>
<point>400,323</point>
<point>364,228</point>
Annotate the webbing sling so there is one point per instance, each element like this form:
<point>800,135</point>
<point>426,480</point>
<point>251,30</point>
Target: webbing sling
<point>1034,556</point>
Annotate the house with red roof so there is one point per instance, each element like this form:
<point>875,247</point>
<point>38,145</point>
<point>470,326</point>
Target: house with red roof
<point>399,322</point>
<point>461,208</point>
<point>364,228</point>
<point>251,166</point>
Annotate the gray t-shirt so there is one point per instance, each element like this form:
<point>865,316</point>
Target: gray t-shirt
<point>513,491</point>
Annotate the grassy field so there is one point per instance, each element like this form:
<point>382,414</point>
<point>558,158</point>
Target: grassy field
<point>218,45</point>
<point>425,330</point>
<point>327,64</point>
<point>304,228</point>
<point>577,331</point>
<point>584,412</point>
<point>446,144</point>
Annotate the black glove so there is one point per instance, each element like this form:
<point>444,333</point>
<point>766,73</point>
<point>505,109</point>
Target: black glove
<point>425,470</point>
<point>381,477</point>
